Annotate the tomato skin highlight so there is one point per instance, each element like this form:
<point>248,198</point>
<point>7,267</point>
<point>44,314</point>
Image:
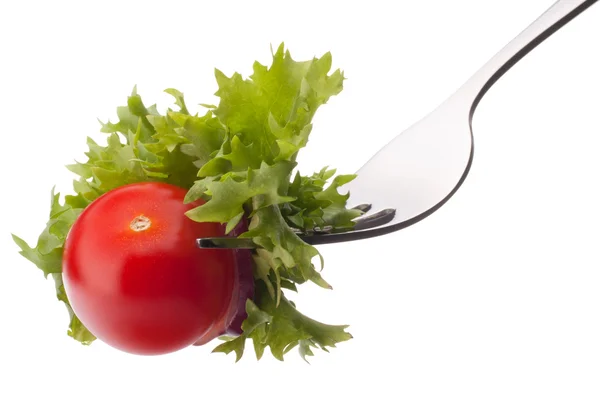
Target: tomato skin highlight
<point>135,277</point>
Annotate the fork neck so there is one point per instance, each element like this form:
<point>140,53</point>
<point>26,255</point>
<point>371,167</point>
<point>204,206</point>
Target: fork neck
<point>559,14</point>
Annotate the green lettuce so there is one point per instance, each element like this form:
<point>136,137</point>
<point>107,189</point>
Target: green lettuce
<point>240,157</point>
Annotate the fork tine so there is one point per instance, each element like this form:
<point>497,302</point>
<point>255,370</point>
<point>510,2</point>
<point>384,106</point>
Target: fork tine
<point>315,237</point>
<point>225,243</point>
<point>379,218</point>
<point>363,207</point>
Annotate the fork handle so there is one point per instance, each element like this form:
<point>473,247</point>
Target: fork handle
<point>559,14</point>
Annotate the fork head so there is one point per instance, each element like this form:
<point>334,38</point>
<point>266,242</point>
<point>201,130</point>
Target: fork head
<point>406,181</point>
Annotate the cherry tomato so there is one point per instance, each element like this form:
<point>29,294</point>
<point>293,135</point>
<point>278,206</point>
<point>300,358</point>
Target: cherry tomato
<point>136,278</point>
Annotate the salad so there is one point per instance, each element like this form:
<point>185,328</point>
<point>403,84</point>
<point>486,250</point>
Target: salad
<point>122,247</point>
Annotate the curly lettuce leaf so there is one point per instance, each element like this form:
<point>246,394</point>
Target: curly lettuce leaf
<point>268,118</point>
<point>47,254</point>
<point>316,206</point>
<point>281,327</point>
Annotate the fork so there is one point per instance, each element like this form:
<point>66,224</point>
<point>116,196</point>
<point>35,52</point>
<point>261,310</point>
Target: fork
<point>432,158</point>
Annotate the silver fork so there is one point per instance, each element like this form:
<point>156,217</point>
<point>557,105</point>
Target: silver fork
<point>432,158</point>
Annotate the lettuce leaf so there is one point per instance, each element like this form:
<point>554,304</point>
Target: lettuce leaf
<point>239,156</point>
<point>281,327</point>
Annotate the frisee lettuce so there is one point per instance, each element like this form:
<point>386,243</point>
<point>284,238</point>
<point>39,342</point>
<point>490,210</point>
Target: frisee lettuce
<point>239,157</point>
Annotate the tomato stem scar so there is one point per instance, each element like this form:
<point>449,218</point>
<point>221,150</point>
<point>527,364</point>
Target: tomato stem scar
<point>140,223</point>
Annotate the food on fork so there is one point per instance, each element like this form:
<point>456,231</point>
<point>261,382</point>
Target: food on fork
<point>122,249</point>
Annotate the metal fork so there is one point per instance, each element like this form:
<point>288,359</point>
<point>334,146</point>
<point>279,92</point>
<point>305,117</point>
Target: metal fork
<point>426,164</point>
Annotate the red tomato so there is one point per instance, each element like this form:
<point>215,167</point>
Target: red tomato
<point>135,277</point>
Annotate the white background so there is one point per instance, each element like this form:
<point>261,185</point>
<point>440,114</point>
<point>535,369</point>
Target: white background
<point>495,296</point>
